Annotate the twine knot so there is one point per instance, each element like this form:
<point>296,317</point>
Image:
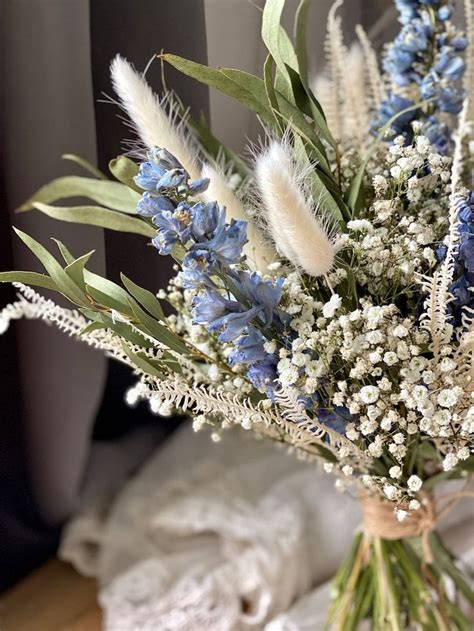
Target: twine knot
<point>380,520</point>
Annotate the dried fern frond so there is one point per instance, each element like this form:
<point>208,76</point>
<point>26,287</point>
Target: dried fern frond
<point>32,306</point>
<point>374,78</point>
<point>436,318</point>
<point>290,425</point>
<point>469,58</point>
<point>335,58</point>
<point>356,123</point>
<point>344,89</point>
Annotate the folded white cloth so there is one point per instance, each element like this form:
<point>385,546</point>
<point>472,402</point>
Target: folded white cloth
<point>227,536</point>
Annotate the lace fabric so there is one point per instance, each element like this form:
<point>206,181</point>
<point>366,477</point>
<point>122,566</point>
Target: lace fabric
<point>221,537</point>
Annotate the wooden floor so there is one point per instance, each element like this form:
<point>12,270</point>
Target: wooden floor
<point>53,598</point>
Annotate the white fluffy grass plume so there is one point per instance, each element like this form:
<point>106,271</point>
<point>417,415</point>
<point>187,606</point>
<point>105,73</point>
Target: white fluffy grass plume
<point>297,232</point>
<point>259,253</point>
<point>152,123</point>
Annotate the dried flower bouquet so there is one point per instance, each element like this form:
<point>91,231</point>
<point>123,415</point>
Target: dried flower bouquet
<point>323,294</point>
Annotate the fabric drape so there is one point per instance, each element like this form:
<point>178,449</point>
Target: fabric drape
<point>55,57</point>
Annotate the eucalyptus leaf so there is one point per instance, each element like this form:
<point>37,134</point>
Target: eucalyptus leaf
<point>107,294</point>
<point>144,297</point>
<point>218,80</point>
<point>157,330</point>
<point>103,288</point>
<point>124,170</point>
<point>75,269</point>
<point>111,194</point>
<point>299,125</point>
<point>65,253</point>
<point>29,278</point>
<point>287,109</point>
<point>64,283</point>
<point>355,193</point>
<point>275,38</point>
<point>97,216</point>
<point>316,111</point>
<point>300,39</point>
<point>270,90</point>
<point>85,164</point>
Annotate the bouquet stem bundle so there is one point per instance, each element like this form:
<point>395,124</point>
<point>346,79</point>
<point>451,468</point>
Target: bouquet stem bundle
<point>400,581</point>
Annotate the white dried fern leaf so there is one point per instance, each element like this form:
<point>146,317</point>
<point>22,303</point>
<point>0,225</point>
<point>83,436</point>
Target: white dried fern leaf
<point>356,121</point>
<point>335,57</point>
<point>344,89</point>
<point>374,78</point>
<point>292,410</point>
<point>436,318</point>
<point>300,432</point>
<point>151,121</point>
<point>32,306</point>
<point>469,57</point>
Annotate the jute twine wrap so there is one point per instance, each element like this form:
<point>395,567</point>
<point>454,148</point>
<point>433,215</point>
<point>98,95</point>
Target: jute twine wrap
<point>380,520</point>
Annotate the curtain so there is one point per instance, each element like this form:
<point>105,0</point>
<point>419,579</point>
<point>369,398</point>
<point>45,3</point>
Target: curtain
<point>233,40</point>
<point>55,58</point>
<point>55,394</point>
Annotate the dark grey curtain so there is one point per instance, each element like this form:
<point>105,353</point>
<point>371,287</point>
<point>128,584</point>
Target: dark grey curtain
<point>54,67</point>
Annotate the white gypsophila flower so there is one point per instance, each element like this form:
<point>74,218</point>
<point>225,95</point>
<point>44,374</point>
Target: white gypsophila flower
<point>463,453</point>
<point>419,393</point>
<point>414,505</point>
<point>450,461</point>
<point>400,331</point>
<point>398,438</point>
<point>447,398</point>
<point>380,184</point>
<point>414,483</point>
<point>376,448</point>
<point>391,492</point>
<point>332,306</point>
<point>447,364</point>
<point>401,514</point>
<point>199,422</point>
<point>426,408</point>
<point>369,394</point>
<point>359,225</point>
<point>395,472</point>
<point>390,358</point>
<point>214,372</point>
<point>132,396</point>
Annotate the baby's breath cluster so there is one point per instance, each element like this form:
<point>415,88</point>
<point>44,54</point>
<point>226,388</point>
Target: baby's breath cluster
<point>398,236</point>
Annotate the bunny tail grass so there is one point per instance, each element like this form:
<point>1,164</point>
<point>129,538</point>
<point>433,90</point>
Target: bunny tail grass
<point>259,252</point>
<point>151,122</point>
<point>296,231</point>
